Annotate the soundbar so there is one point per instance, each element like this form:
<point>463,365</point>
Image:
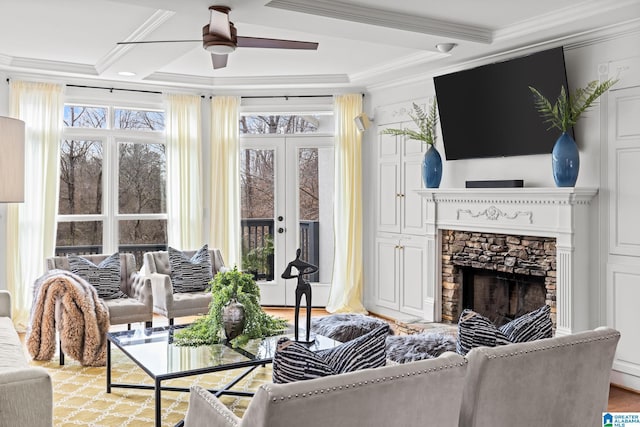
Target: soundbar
<point>496,183</point>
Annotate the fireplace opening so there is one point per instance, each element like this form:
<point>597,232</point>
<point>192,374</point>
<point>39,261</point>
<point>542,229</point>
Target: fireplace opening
<point>499,296</point>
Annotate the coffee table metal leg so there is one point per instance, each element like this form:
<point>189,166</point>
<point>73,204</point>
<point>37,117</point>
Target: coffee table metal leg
<point>108,366</point>
<point>158,389</point>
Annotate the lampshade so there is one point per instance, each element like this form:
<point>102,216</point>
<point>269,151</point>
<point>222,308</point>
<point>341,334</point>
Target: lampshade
<point>11,160</point>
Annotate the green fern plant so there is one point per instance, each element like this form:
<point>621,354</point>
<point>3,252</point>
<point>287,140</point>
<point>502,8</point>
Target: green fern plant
<point>568,108</point>
<point>227,286</point>
<point>426,123</point>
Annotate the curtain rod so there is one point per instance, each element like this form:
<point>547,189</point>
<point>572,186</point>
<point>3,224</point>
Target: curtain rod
<point>111,89</point>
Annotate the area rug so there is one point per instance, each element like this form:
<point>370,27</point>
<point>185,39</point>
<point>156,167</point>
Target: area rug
<point>80,398</point>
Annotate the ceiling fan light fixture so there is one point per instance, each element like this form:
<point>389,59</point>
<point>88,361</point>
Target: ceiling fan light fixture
<point>220,49</point>
<point>446,47</point>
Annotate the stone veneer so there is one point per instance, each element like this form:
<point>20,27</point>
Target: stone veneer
<point>526,255</point>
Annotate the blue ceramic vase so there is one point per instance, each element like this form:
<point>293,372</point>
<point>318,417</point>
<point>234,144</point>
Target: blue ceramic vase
<point>565,160</point>
<point>432,168</point>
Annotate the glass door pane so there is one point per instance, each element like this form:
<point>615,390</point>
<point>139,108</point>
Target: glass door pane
<point>257,206</point>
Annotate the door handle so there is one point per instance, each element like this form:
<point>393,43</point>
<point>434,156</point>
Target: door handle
<point>280,230</point>
<point>280,218</point>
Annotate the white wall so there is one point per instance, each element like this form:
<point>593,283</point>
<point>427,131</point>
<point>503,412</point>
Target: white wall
<point>586,60</point>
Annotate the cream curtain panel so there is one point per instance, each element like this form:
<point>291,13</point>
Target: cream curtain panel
<point>184,177</point>
<point>225,178</point>
<point>31,226</point>
<point>347,283</point>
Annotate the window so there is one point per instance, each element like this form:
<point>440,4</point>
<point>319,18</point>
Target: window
<point>280,123</point>
<point>112,181</point>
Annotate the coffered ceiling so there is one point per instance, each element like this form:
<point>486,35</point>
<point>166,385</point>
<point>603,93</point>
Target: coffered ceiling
<point>361,42</point>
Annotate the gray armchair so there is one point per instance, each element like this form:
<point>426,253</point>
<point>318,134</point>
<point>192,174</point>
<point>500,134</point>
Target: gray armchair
<point>137,307</point>
<point>554,381</point>
<point>156,267</point>
<point>415,394</point>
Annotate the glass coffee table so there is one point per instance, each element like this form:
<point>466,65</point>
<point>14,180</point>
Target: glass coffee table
<point>153,350</point>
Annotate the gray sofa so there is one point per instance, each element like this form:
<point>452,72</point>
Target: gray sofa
<point>26,395</point>
<point>555,381</point>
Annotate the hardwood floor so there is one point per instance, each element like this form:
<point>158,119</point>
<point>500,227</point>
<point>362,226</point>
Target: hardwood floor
<point>622,400</point>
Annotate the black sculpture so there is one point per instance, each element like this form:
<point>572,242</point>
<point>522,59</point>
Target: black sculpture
<point>303,288</point>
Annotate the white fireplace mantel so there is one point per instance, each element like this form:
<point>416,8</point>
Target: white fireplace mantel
<point>561,212</point>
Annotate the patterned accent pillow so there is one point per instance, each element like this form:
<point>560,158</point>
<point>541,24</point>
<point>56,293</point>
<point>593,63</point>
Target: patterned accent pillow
<point>190,274</point>
<point>105,277</point>
<point>293,361</point>
<point>531,326</point>
<point>475,330</point>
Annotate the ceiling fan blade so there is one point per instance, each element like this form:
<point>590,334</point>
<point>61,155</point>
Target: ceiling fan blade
<point>219,61</point>
<point>219,22</point>
<point>275,43</point>
<point>161,41</point>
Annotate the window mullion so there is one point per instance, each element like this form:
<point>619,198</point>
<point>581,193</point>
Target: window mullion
<point>111,201</point>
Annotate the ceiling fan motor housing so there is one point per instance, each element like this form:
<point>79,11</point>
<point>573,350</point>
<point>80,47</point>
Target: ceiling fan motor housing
<point>218,45</point>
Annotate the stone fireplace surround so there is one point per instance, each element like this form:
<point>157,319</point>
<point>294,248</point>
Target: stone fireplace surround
<point>501,253</point>
<point>558,213</point>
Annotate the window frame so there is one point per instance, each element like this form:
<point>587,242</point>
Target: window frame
<point>111,138</point>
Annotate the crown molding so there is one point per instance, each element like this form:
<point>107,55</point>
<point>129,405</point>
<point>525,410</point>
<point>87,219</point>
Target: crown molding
<point>402,21</point>
<point>5,60</point>
<point>158,18</point>
<point>52,66</point>
<point>395,66</point>
<point>250,81</point>
<point>560,18</point>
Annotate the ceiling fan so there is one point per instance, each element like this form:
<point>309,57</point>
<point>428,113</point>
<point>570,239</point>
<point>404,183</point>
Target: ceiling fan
<point>220,38</point>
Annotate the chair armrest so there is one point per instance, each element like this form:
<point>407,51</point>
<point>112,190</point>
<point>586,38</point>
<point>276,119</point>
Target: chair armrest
<point>5,304</point>
<point>141,290</point>
<point>205,410</point>
<point>162,290</point>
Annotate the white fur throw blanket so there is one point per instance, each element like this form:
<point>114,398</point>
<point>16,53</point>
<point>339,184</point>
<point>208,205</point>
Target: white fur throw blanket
<point>67,302</point>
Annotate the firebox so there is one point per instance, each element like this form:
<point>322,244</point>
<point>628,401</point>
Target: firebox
<point>500,296</point>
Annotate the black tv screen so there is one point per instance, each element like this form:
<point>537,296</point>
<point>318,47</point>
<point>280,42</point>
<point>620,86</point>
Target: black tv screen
<point>489,111</point>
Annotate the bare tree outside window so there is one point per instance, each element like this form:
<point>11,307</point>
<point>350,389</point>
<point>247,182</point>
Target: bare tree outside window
<point>85,186</point>
<point>139,120</point>
<point>278,124</point>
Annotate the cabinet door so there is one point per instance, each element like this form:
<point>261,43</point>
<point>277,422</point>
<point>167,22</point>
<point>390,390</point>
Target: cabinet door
<point>389,185</point>
<point>386,273</point>
<point>412,205</point>
<point>413,261</point>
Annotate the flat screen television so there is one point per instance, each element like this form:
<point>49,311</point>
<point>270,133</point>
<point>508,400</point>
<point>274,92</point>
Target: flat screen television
<point>489,111</point>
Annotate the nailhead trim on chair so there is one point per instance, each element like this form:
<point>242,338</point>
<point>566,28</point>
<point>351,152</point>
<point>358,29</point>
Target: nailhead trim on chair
<point>550,347</point>
<point>277,399</point>
<point>216,405</point>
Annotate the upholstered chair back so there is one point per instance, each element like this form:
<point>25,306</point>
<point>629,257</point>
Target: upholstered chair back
<point>158,261</point>
<point>127,267</point>
<point>554,381</point>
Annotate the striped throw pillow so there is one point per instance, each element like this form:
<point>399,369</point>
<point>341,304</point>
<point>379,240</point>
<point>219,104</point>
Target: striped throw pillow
<point>293,361</point>
<point>190,274</point>
<point>105,277</point>
<point>529,327</point>
<point>475,330</point>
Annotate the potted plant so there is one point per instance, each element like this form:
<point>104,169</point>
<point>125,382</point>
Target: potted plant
<point>231,287</point>
<point>563,115</point>
<point>426,132</point>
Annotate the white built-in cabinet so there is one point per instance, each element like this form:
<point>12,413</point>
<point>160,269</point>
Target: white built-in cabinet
<point>622,180</point>
<point>400,245</point>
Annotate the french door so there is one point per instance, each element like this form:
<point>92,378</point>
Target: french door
<point>286,186</point>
